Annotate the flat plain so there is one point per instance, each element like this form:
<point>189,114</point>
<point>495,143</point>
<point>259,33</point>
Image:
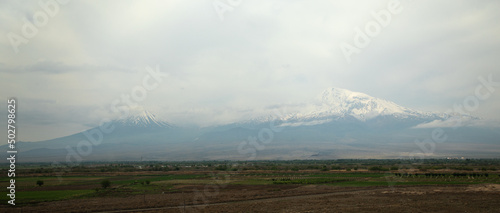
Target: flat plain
<point>262,186</point>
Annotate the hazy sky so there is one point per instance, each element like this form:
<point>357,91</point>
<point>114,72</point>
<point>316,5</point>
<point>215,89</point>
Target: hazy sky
<point>233,60</point>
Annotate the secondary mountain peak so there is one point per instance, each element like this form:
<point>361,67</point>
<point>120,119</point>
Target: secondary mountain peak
<point>142,118</point>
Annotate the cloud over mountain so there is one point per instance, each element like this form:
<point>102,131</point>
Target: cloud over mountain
<point>342,121</point>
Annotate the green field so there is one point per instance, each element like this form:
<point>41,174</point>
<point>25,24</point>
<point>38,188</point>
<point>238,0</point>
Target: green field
<point>60,188</point>
<point>167,178</point>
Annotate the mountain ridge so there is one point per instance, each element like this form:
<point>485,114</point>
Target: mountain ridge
<point>342,120</point>
<point>338,104</point>
<point>143,119</point>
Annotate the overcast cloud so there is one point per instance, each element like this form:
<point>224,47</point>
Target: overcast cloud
<point>263,53</point>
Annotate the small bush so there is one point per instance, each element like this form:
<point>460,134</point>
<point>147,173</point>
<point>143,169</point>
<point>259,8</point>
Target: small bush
<point>378,168</point>
<point>105,184</point>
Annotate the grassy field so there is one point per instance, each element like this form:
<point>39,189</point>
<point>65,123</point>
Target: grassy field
<point>85,182</point>
<point>70,187</point>
<point>42,196</point>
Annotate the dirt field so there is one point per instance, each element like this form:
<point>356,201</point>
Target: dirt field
<point>464,186</point>
<point>288,198</point>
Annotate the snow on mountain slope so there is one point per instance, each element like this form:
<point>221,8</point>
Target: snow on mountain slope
<point>332,104</point>
<point>142,118</point>
<point>338,103</point>
<point>342,102</point>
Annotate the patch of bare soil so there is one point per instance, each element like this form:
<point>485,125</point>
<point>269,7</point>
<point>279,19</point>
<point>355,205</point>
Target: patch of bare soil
<point>484,188</point>
<point>289,198</point>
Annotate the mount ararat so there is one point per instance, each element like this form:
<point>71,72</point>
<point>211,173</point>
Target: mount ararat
<point>344,124</point>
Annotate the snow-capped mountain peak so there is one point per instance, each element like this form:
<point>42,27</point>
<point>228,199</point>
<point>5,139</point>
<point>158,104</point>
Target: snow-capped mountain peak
<point>344,102</point>
<point>340,103</point>
<point>337,103</point>
<point>142,118</point>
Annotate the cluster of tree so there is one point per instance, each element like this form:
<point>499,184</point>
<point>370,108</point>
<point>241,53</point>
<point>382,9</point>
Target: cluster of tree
<point>273,165</point>
<point>308,181</point>
<point>443,174</point>
<point>281,179</point>
<point>470,174</point>
<point>105,184</point>
<point>378,168</point>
